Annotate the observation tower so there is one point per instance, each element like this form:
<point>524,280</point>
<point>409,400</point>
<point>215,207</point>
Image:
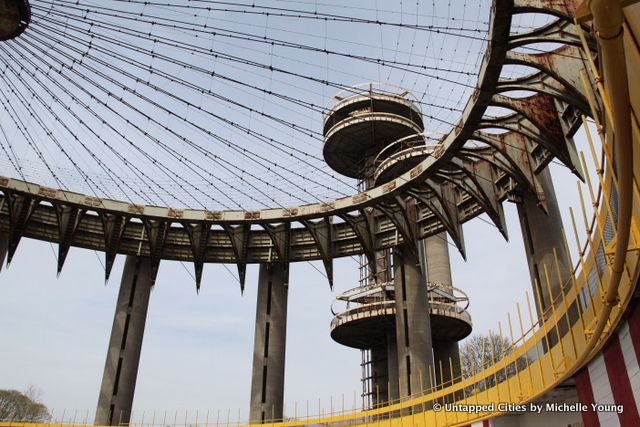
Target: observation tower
<point>374,133</point>
<point>15,16</point>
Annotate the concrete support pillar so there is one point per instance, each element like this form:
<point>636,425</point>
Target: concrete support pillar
<point>542,234</point>
<point>125,344</point>
<point>438,267</point>
<point>446,356</point>
<point>267,382</point>
<point>436,253</point>
<point>380,375</point>
<point>413,324</point>
<point>392,368</point>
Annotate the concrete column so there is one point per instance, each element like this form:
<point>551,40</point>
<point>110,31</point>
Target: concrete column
<point>436,252</point>
<point>542,233</point>
<point>413,324</point>
<point>380,375</point>
<point>125,344</point>
<point>267,382</point>
<point>392,368</point>
<point>438,266</point>
<point>443,351</point>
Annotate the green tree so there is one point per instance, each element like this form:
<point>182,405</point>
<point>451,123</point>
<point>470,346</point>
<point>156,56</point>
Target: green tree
<point>18,406</point>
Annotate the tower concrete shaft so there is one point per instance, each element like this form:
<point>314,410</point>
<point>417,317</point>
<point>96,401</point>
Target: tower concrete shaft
<point>543,235</point>
<point>438,270</point>
<point>123,356</point>
<point>384,361</point>
<point>267,381</point>
<point>413,323</point>
<point>392,369</point>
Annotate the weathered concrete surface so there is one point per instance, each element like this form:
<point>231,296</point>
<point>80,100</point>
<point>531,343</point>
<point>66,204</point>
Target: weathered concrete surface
<point>123,356</point>
<point>413,323</point>
<point>267,381</point>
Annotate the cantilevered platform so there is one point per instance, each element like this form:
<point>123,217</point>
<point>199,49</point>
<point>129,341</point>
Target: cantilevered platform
<point>373,318</point>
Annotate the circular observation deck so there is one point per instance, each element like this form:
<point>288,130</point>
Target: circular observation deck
<point>364,121</point>
<point>370,322</point>
<point>399,157</point>
<point>15,16</point>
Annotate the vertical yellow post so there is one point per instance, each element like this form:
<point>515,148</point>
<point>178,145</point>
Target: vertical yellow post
<point>453,394</point>
<point>526,352</point>
<point>544,325</point>
<point>431,390</point>
<point>330,408</point>
<point>502,356</point>
<point>599,221</point>
<point>492,349</point>
<point>515,362</point>
<point>574,285</point>
<point>482,364</point>
<point>555,319</point>
<point>583,266</point>
<point>422,391</point>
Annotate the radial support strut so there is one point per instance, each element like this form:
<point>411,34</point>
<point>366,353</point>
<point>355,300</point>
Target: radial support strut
<point>125,344</point>
<point>267,381</point>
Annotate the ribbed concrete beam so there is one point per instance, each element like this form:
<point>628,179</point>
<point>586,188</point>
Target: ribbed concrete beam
<point>125,344</point>
<point>413,324</point>
<point>267,381</point>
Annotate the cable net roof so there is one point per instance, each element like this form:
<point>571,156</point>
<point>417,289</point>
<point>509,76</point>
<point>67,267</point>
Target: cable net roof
<point>212,104</point>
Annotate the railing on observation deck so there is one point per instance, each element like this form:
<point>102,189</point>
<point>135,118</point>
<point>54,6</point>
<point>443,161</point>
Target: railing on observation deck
<point>443,299</point>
